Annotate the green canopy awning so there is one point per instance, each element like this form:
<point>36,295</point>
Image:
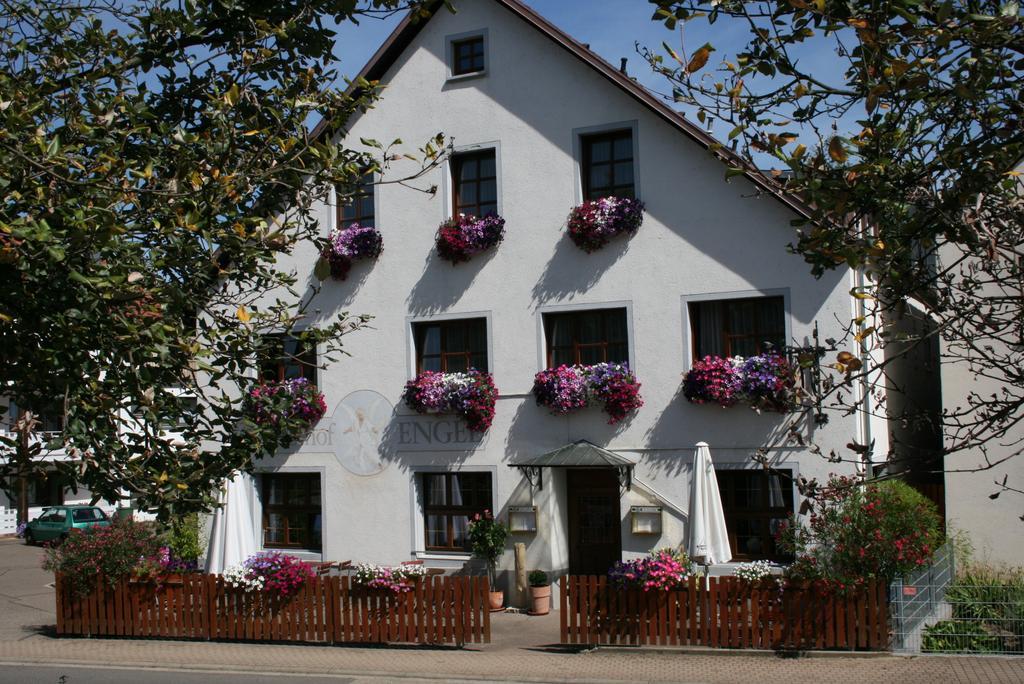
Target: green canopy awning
<point>579,454</point>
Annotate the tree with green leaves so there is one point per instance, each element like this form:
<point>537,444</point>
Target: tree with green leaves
<point>156,162</point>
<point>901,126</point>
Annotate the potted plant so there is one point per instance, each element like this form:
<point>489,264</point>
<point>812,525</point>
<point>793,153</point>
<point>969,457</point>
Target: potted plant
<point>487,541</point>
<point>540,592</point>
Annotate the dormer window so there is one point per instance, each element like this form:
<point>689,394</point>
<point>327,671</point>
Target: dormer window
<point>467,54</point>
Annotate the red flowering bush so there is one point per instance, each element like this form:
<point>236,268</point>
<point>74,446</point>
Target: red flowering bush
<point>857,531</point>
<point>113,552</point>
<point>660,570</point>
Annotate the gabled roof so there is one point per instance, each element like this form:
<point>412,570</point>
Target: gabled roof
<point>409,28</point>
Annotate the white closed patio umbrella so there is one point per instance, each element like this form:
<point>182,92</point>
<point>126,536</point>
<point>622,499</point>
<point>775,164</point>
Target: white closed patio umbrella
<point>709,539</point>
<point>232,536</point>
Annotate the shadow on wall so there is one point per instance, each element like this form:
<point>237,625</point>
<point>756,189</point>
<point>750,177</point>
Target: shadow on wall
<point>442,284</point>
<point>572,271</point>
<point>534,430</point>
<point>411,440</point>
<point>688,194</point>
<point>662,437</point>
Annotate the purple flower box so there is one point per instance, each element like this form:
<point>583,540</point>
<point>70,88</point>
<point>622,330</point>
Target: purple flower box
<point>593,224</point>
<point>353,243</point>
<point>461,237</point>
<point>569,388</point>
<point>471,395</point>
<point>767,382</point>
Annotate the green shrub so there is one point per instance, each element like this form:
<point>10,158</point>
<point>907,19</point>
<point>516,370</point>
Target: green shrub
<point>954,636</point>
<point>857,531</point>
<point>112,552</point>
<point>183,538</point>
<point>537,578</point>
<point>991,595</point>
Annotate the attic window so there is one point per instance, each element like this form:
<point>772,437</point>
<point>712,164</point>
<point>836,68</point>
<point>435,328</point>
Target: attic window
<point>468,56</point>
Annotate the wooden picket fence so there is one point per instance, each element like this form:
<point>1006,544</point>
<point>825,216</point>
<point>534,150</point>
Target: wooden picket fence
<point>329,610</point>
<point>725,613</point>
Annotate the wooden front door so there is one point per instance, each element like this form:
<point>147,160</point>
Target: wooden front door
<point>595,530</point>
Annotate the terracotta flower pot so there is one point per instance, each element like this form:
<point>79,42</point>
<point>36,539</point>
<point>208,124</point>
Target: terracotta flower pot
<point>497,600</point>
<point>541,598</point>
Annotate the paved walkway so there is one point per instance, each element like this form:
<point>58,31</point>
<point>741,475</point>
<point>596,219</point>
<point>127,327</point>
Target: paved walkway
<point>522,650</point>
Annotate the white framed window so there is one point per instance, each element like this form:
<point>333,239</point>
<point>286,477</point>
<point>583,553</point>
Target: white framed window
<point>607,161</point>
<point>466,55</point>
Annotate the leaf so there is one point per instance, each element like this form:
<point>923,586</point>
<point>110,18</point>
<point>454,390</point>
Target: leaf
<point>865,333</point>
<point>798,151</point>
<point>699,59</point>
<point>243,314</point>
<point>322,270</point>
<point>836,150</point>
<point>232,95</point>
<point>857,294</point>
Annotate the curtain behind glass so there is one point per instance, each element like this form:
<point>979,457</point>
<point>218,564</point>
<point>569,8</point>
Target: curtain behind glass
<point>710,341</point>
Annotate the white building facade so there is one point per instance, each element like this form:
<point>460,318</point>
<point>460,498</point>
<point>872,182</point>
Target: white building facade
<point>532,121</point>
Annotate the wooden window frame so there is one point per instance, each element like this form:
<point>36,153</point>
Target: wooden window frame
<point>450,510</point>
<point>308,509</point>
<point>759,335</point>
<point>365,189</point>
<point>587,142</point>
<point>575,317</point>
<point>765,513</point>
<point>419,329</point>
<point>473,42</point>
<point>460,158</point>
<point>305,359</point>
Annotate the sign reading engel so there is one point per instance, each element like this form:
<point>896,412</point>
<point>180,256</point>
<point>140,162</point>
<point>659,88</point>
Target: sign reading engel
<point>364,427</point>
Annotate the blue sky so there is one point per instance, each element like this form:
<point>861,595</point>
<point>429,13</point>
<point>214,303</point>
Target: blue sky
<point>611,27</point>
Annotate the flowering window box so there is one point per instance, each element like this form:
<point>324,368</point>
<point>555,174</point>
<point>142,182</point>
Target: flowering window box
<point>276,574</point>
<point>459,238</point>
<point>471,395</point>
<point>353,243</point>
<point>293,406</point>
<point>569,388</point>
<point>593,224</point>
<point>767,382</point>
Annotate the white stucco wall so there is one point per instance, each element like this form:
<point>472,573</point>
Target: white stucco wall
<point>702,238</point>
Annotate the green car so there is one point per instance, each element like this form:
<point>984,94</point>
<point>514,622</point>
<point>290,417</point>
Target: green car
<point>56,522</point>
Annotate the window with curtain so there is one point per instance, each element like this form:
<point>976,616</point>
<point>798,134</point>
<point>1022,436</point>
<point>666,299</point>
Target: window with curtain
<point>292,514</point>
<point>451,346</point>
<point>449,501</point>
<point>756,504</point>
<point>586,337</point>
<point>607,165</point>
<point>285,357</point>
<point>475,183</point>
<point>357,208</point>
<point>738,327</point>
